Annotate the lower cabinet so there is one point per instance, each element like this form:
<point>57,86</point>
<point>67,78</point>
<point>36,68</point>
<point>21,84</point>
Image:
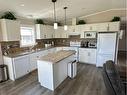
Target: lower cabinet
<point>87,55</point>
<point>34,57</point>
<point>21,66</point>
<point>18,66</point>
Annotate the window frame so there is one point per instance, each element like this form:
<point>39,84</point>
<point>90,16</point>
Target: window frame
<point>34,36</point>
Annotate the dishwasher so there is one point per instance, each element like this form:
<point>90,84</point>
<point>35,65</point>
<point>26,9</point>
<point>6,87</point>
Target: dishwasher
<point>72,69</point>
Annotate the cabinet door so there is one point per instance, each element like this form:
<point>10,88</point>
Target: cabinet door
<point>33,61</point>
<point>83,55</point>
<point>114,26</point>
<point>92,59</point>
<point>21,66</point>
<point>58,33</point>
<point>90,27</point>
<point>103,27</point>
<point>10,30</point>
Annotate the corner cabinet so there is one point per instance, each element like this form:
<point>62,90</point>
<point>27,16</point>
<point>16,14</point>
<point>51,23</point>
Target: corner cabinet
<point>10,30</point>
<point>44,31</point>
<point>18,66</point>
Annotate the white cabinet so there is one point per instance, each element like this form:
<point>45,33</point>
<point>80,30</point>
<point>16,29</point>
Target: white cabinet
<point>109,26</point>
<point>90,27</point>
<point>52,75</point>
<point>60,33</point>
<point>34,57</point>
<point>114,26</point>
<point>10,30</point>
<point>18,66</point>
<point>87,55</point>
<point>44,31</point>
<point>103,27</point>
<point>21,66</point>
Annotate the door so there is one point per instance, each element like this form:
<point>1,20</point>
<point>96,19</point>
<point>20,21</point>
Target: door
<point>106,43</point>
<point>21,66</point>
<point>106,47</point>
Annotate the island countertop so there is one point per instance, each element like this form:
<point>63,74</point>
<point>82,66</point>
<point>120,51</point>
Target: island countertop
<point>57,56</point>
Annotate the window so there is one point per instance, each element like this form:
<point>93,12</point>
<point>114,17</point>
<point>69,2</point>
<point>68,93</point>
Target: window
<point>27,36</point>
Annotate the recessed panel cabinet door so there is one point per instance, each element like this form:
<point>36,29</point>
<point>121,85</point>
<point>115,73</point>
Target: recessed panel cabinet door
<point>21,66</point>
<point>114,26</point>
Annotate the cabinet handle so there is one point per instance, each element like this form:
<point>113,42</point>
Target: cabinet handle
<point>108,28</point>
<point>91,28</point>
<point>44,36</point>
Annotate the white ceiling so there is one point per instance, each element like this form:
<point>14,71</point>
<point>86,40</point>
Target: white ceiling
<point>44,8</point>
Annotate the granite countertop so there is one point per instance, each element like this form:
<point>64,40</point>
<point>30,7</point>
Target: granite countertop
<point>57,56</point>
<point>13,55</point>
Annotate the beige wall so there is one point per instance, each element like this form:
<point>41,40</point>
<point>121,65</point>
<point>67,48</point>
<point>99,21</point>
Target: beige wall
<point>1,60</point>
<point>104,16</point>
<point>123,42</point>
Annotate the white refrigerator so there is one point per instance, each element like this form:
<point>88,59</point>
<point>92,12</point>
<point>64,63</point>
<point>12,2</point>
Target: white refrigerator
<point>106,47</point>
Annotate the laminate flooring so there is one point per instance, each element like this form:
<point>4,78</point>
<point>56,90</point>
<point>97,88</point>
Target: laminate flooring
<point>89,81</point>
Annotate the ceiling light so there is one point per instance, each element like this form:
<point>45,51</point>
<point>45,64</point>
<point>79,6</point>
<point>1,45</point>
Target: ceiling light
<point>55,22</point>
<point>65,25</point>
<point>22,5</point>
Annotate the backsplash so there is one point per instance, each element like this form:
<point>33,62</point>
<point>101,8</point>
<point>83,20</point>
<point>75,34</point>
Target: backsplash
<point>10,44</point>
<point>14,46</point>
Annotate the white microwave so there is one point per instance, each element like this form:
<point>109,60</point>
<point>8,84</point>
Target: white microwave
<point>90,35</point>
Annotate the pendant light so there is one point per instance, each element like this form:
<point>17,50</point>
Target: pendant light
<point>65,25</point>
<point>55,23</point>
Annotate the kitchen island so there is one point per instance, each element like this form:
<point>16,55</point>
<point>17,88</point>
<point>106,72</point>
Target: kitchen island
<point>52,68</point>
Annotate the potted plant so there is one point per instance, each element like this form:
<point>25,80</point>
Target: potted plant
<point>116,18</point>
<point>8,15</point>
<point>81,22</point>
<point>39,21</point>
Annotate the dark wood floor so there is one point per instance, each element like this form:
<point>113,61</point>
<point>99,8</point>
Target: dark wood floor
<point>89,81</point>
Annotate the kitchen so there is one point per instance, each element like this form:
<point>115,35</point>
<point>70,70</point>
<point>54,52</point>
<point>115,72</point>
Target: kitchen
<point>91,45</point>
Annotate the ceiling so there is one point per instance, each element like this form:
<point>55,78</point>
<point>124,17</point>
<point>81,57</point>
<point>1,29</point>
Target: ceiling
<point>44,8</point>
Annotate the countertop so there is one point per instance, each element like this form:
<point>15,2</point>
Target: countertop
<point>89,47</point>
<point>13,55</point>
<point>57,56</point>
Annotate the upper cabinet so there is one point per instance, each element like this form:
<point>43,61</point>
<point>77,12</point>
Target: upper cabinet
<point>90,27</point>
<point>114,26</point>
<point>10,30</point>
<point>44,31</point>
<point>102,27</point>
<point>60,32</point>
<point>109,26</point>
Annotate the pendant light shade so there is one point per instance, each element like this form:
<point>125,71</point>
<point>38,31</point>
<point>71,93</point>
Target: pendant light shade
<point>55,23</point>
<point>65,25</point>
